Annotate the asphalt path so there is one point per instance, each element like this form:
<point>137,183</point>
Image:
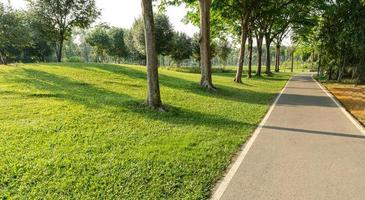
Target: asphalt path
<point>307,148</point>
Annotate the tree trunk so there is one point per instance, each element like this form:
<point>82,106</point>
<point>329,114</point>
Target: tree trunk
<point>259,53</point>
<point>250,49</point>
<point>60,48</point>
<point>3,59</point>
<point>277,62</point>
<point>319,66</point>
<point>361,73</point>
<point>238,78</point>
<point>330,73</point>
<point>340,70</point>
<point>153,89</point>
<point>206,65</point>
<point>268,54</point>
<point>292,61</point>
<point>354,72</point>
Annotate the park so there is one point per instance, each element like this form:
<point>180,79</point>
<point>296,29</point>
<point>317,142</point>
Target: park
<point>238,99</point>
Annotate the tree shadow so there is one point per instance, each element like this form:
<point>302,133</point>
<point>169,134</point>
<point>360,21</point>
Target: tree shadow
<point>55,86</point>
<point>223,92</point>
<point>305,100</point>
<point>304,88</point>
<point>315,132</point>
<point>64,88</point>
<point>303,78</point>
<point>272,77</point>
<point>180,116</point>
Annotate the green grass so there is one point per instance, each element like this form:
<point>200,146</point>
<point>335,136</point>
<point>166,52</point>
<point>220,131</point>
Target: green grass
<point>286,67</point>
<point>81,131</point>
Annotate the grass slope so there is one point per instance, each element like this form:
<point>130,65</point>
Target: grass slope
<point>79,131</point>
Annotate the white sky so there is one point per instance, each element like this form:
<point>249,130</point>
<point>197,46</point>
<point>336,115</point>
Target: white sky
<point>122,13</point>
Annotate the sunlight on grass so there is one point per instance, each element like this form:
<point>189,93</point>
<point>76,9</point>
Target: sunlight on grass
<point>81,131</point>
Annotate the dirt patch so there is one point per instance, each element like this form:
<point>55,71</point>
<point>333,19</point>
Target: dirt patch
<point>353,98</point>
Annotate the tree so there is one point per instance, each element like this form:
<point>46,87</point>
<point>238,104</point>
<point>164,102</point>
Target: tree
<point>196,48</point>
<point>259,34</point>
<point>205,54</point>
<point>223,50</point>
<point>117,48</point>
<point>99,39</point>
<point>137,34</point>
<point>71,51</point>
<point>250,49</point>
<point>258,26</point>
<point>278,40</point>
<point>85,47</point>
<point>164,35</point>
<point>237,14</point>
<point>204,8</point>
<point>132,53</point>
<point>153,89</point>
<point>341,38</point>
<point>64,15</point>
<point>14,34</point>
<point>276,20</point>
<point>272,21</point>
<point>41,40</point>
<point>181,48</point>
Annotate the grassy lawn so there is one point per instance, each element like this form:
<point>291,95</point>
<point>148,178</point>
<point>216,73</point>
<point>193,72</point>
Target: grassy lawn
<point>81,131</point>
<point>353,98</point>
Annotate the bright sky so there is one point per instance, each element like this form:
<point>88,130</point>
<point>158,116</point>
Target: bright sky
<point>121,13</point>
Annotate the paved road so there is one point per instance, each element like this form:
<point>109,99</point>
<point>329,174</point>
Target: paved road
<point>307,149</point>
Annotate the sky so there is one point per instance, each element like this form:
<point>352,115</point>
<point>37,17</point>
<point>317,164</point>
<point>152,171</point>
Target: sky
<point>122,13</point>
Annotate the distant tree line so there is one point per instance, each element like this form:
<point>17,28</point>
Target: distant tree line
<point>33,39</point>
<point>41,31</point>
<point>334,40</point>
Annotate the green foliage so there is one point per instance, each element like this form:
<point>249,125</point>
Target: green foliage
<point>164,35</point>
<point>41,38</point>
<point>118,48</point>
<point>223,50</point>
<point>64,15</point>
<point>341,38</point>
<point>100,40</point>
<point>196,47</point>
<point>137,36</point>
<point>129,40</point>
<point>71,49</point>
<point>14,33</point>
<point>181,47</point>
<point>80,131</point>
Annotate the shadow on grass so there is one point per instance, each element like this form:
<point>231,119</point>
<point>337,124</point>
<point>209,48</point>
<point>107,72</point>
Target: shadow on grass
<point>223,92</point>
<point>68,89</point>
<point>181,116</point>
<point>59,87</point>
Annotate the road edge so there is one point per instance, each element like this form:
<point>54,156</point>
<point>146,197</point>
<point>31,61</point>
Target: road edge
<point>223,183</point>
<point>341,107</point>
